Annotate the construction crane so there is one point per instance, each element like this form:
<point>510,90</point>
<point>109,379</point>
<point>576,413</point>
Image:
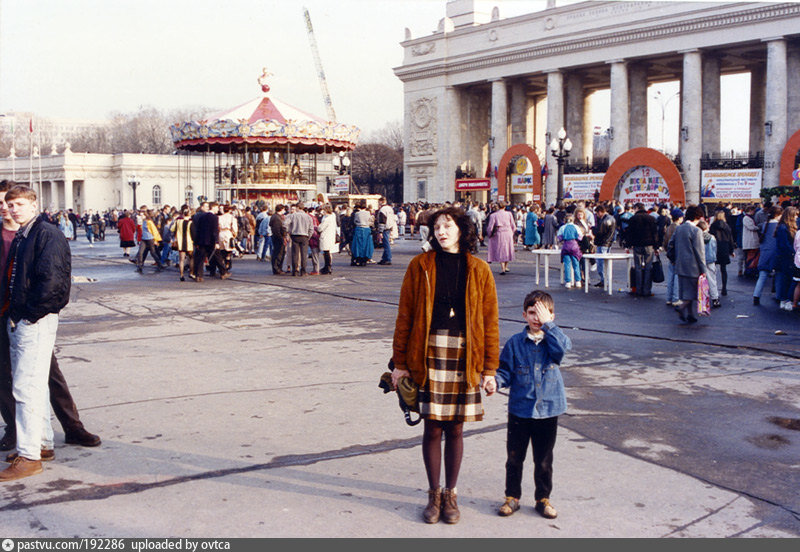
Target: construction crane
<point>323,83</point>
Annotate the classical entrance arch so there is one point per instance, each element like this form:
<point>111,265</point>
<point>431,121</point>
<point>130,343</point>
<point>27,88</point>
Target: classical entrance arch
<point>513,151</point>
<point>647,157</point>
<point>787,159</point>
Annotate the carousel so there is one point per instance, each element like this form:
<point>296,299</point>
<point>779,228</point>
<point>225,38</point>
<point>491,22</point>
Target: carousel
<point>265,150</point>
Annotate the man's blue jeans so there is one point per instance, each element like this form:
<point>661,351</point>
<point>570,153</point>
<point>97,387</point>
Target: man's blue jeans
<point>387,248</point>
<point>672,283</point>
<point>571,265</point>
<point>601,263</point>
<point>31,346</point>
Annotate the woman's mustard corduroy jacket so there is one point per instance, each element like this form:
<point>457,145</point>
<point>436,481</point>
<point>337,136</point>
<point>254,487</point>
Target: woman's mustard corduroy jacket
<point>416,310</point>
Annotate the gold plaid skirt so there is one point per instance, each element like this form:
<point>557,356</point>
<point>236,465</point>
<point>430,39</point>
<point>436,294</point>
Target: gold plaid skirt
<point>446,395</point>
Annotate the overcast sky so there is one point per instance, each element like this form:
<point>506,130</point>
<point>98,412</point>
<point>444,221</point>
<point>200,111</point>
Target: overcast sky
<point>88,58</point>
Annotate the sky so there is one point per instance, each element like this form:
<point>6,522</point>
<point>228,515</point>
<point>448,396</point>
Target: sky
<point>89,58</point>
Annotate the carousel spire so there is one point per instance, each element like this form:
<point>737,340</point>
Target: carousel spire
<point>262,80</point>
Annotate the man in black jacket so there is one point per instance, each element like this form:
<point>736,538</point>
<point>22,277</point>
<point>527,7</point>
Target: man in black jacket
<point>60,397</point>
<point>279,234</point>
<point>642,238</point>
<point>205,235</point>
<point>603,237</point>
<point>39,285</point>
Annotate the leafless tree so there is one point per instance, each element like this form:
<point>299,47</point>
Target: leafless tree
<point>391,135</point>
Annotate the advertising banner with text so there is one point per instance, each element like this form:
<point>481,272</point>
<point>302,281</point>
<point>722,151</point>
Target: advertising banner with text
<point>582,186</point>
<point>521,183</point>
<point>730,185</point>
<point>472,184</point>
<point>645,185</point>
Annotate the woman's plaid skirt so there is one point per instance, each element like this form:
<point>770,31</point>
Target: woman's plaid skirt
<point>446,395</point>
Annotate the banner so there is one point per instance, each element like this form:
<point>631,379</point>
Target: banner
<point>582,186</point>
<point>645,185</point>
<point>730,185</point>
<point>472,184</point>
<point>522,183</point>
<point>341,184</point>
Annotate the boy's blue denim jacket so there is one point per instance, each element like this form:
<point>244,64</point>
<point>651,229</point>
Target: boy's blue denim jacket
<point>532,372</point>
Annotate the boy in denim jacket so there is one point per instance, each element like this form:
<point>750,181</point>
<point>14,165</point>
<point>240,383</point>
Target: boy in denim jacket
<point>529,366</point>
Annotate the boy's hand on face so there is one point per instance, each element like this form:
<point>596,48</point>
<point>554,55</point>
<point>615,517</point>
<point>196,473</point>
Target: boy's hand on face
<point>543,313</point>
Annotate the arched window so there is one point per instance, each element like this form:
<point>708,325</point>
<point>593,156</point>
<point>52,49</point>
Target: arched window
<point>156,195</point>
<point>189,196</point>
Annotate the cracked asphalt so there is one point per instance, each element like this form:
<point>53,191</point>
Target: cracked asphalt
<point>250,408</point>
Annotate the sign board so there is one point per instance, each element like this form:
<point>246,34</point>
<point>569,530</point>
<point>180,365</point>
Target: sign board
<point>522,183</point>
<point>582,186</point>
<point>341,184</point>
<point>645,185</point>
<point>730,185</point>
<point>472,184</point>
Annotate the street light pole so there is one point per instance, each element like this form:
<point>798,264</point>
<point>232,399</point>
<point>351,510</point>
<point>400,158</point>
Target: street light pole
<point>560,148</point>
<point>133,184</point>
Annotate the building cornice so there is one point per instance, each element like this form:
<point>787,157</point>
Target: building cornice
<point>714,22</point>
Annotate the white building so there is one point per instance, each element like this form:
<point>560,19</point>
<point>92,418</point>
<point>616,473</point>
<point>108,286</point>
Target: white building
<point>81,181</point>
<point>480,84</point>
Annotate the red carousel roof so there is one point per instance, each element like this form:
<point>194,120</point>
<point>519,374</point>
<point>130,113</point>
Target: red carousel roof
<point>264,123</point>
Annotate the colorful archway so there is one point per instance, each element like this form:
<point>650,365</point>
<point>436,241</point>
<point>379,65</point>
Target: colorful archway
<point>787,159</point>
<point>647,157</point>
<point>513,151</point>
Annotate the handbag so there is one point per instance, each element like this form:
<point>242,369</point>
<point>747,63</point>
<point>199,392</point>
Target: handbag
<point>657,270</point>
<point>407,394</point>
<point>703,296</point>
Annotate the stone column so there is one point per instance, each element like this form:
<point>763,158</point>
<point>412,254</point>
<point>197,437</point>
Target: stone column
<point>519,113</point>
<point>637,77</point>
<point>555,120</point>
<point>574,115</point>
<point>498,142</point>
<point>711,105</point>
<point>758,88</point>
<point>540,128</point>
<point>620,110</point>
<point>775,110</point>
<point>793,70</point>
<point>68,197</point>
<point>452,155</point>
<point>691,136</point>
<point>588,130</point>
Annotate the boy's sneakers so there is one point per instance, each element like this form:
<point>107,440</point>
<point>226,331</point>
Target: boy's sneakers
<point>546,509</point>
<point>510,506</point>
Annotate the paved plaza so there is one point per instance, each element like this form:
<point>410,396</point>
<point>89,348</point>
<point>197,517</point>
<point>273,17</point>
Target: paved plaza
<point>250,408</point>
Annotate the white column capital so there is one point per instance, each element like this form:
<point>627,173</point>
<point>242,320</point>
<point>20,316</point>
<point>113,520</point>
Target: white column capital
<point>690,51</point>
<point>613,61</point>
<point>774,39</point>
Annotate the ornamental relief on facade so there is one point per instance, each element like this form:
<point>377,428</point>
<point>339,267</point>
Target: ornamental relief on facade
<point>423,127</point>
<point>423,49</point>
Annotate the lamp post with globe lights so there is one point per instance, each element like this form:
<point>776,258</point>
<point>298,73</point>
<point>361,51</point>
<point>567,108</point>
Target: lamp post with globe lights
<point>560,148</point>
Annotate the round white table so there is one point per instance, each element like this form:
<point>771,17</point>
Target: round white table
<point>608,274</point>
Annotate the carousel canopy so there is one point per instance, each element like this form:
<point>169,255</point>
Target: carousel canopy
<point>264,123</point>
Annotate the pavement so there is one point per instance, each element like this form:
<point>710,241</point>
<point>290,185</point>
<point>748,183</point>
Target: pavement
<point>250,408</point>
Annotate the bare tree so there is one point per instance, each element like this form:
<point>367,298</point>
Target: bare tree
<point>378,168</point>
<point>391,135</point>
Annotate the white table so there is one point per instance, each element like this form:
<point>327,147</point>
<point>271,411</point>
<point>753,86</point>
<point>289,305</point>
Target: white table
<point>547,253</point>
<point>608,274</point>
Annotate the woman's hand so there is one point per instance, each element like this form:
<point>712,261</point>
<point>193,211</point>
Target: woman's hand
<point>489,384</point>
<point>397,374</point>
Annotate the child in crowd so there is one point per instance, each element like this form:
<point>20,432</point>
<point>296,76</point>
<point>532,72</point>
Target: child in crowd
<point>570,236</point>
<point>529,366</point>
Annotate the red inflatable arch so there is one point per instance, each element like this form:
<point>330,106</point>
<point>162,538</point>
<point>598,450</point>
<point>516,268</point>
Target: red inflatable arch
<point>787,159</point>
<point>513,151</point>
<point>647,157</point>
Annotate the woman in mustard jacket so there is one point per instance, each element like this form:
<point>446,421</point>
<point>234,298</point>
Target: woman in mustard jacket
<point>446,339</point>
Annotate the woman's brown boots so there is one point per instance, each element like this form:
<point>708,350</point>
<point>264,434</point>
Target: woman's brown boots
<point>441,504</point>
<point>434,508</point>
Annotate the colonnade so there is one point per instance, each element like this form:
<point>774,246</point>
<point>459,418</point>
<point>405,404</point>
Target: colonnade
<point>774,112</point>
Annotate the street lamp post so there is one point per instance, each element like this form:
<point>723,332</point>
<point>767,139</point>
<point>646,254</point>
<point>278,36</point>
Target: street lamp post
<point>341,164</point>
<point>133,183</point>
<point>560,148</point>
<point>663,103</point>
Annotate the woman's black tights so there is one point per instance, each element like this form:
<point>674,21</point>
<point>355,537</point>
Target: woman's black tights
<point>432,451</point>
<point>723,271</point>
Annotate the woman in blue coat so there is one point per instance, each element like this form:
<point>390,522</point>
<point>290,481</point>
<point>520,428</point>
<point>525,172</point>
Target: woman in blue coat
<point>532,238</point>
<point>768,252</point>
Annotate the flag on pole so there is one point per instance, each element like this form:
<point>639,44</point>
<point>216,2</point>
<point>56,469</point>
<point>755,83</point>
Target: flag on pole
<point>30,126</point>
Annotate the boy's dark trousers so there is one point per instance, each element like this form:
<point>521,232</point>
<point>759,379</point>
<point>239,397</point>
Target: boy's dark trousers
<point>541,433</point>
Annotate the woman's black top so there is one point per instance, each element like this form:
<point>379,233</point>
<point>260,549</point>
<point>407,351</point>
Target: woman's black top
<point>451,291</point>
